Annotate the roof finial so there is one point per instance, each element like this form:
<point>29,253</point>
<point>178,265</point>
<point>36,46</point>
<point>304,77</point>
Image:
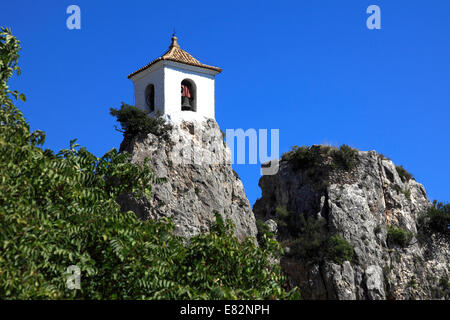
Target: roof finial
<point>174,40</point>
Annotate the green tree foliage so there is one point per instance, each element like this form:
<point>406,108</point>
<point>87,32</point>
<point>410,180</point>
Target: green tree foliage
<point>439,217</point>
<point>264,234</point>
<point>436,220</point>
<point>58,210</point>
<point>220,265</point>
<point>136,122</point>
<point>9,56</point>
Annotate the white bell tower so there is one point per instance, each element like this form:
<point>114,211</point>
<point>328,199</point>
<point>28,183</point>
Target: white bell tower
<point>175,85</point>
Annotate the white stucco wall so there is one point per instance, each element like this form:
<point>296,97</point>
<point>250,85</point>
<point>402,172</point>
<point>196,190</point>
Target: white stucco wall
<point>174,73</point>
<point>167,76</point>
<point>153,75</point>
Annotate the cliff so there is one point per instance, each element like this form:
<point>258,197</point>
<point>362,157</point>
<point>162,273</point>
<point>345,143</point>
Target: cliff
<point>351,222</point>
<point>196,163</point>
<point>372,212</point>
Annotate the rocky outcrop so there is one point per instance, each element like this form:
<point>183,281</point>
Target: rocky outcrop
<point>360,205</point>
<point>200,181</point>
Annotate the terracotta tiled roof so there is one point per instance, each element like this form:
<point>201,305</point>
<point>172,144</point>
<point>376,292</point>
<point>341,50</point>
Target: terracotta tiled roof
<point>176,54</point>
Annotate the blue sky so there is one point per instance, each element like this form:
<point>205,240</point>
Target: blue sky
<point>309,68</point>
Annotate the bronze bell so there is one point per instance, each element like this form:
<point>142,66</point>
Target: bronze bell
<point>185,104</point>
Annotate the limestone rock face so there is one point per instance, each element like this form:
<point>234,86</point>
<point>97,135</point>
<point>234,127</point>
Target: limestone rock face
<point>360,205</point>
<point>200,181</point>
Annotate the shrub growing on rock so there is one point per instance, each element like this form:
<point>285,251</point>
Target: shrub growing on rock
<point>436,220</point>
<point>303,158</point>
<point>339,250</point>
<point>404,175</point>
<point>439,217</point>
<point>347,157</point>
<point>310,242</point>
<point>136,122</point>
<point>398,236</point>
<point>264,233</point>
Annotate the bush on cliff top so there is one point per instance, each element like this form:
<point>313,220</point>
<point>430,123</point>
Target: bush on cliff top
<point>59,210</point>
<point>303,158</point>
<point>347,157</point>
<point>136,122</point>
<point>405,176</point>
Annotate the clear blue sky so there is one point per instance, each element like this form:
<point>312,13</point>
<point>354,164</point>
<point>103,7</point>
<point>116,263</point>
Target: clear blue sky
<point>309,68</point>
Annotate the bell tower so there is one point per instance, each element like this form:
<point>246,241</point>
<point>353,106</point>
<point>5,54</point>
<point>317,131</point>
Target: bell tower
<point>176,86</point>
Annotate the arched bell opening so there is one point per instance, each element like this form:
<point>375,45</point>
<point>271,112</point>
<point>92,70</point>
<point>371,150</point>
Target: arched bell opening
<point>150,97</point>
<point>188,95</point>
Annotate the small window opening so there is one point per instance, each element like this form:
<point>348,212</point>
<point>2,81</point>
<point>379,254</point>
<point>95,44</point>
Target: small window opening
<point>150,97</point>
